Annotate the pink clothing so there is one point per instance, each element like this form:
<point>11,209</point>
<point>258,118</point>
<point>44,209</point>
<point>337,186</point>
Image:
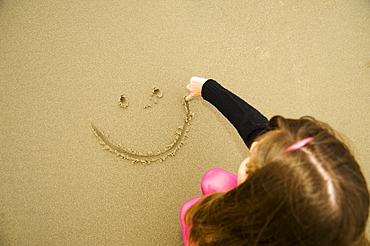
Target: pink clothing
<point>214,180</point>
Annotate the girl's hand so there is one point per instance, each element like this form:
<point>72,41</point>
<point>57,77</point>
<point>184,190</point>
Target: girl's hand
<point>195,87</point>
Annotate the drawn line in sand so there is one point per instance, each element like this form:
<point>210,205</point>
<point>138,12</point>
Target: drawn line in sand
<point>151,156</point>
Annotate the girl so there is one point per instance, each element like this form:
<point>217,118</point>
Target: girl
<point>300,186</point>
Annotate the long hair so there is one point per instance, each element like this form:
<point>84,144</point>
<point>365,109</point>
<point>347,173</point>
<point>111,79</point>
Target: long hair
<point>315,195</point>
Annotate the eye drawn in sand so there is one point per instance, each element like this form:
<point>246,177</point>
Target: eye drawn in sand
<point>123,101</point>
<point>157,94</point>
<point>150,156</point>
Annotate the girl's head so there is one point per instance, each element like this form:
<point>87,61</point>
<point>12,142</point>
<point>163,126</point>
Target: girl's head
<point>314,195</point>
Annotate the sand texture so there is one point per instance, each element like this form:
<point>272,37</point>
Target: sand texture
<point>66,66</point>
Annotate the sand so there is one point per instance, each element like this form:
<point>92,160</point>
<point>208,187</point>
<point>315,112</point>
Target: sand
<point>66,64</point>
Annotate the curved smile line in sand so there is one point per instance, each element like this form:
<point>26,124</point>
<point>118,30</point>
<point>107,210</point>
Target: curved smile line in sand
<point>147,158</point>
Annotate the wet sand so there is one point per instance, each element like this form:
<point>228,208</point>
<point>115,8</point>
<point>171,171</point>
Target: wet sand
<point>66,65</point>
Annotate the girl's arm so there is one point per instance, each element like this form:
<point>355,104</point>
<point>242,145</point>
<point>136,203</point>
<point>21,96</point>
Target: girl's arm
<point>248,121</point>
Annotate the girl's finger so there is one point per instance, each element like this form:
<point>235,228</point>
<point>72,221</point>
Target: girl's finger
<point>189,97</point>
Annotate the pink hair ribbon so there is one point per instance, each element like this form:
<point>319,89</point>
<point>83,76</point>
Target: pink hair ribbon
<point>299,144</point>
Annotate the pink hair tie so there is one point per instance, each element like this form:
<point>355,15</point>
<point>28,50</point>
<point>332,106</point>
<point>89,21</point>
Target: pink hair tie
<point>298,144</point>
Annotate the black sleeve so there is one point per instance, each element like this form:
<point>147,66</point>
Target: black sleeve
<point>247,120</point>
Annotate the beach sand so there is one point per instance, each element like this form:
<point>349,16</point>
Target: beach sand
<point>65,65</point>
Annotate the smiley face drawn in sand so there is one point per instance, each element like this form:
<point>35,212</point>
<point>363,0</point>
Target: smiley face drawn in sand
<point>150,156</point>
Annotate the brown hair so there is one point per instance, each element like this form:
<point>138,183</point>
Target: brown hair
<point>315,195</point>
